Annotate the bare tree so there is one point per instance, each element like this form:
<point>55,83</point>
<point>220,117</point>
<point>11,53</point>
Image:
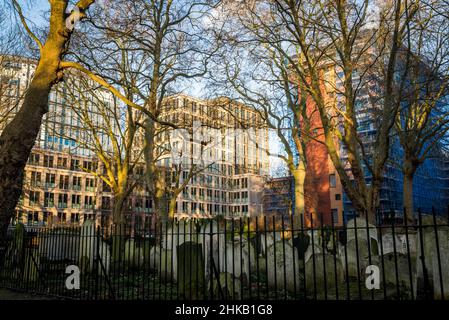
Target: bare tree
<point>347,59</point>
<point>169,47</point>
<point>422,122</point>
<point>254,71</point>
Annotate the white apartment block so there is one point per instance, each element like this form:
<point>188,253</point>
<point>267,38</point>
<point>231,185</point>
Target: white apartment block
<point>228,142</point>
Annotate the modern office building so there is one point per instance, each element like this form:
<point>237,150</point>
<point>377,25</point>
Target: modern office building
<point>227,141</point>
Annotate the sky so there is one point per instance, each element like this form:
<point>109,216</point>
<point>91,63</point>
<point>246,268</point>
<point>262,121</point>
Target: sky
<point>34,11</point>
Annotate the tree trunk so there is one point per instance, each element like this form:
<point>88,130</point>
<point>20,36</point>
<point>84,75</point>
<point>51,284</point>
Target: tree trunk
<point>299,176</point>
<point>408,171</point>
<point>19,136</point>
<point>119,227</point>
<point>171,208</point>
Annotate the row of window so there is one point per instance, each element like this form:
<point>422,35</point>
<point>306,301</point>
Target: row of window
<point>43,218</point>
<point>63,200</point>
<point>194,207</point>
<point>64,181</point>
<point>61,162</point>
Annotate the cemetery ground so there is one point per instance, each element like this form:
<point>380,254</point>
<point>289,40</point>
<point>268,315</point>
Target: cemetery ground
<point>7,294</point>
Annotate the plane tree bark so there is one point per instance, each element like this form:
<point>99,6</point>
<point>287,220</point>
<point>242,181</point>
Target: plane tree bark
<point>18,138</point>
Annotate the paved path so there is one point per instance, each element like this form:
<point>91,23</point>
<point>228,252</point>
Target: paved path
<point>6,294</point>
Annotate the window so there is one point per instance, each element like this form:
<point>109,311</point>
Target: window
<point>50,180</point>
<point>76,183</point>
<point>49,199</point>
<point>334,213</point>
<point>62,217</point>
<point>337,196</point>
<point>62,162</point>
<point>33,217</point>
<point>45,216</point>
<point>34,198</point>
<point>62,200</point>
<point>88,202</point>
<point>88,165</point>
<point>76,201</point>
<point>34,159</point>
<point>74,217</point>
<point>64,182</point>
<point>90,184</point>
<point>332,181</point>
<point>48,161</point>
<point>74,165</point>
<point>35,179</point>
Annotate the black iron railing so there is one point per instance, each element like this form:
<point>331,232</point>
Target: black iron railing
<point>254,258</point>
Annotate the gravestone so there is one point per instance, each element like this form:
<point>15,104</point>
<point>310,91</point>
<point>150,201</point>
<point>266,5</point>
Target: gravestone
<point>238,259</point>
<point>400,242</point>
<point>359,227</point>
<point>361,247</point>
<point>176,235</point>
<point>357,255</point>
<point>301,243</point>
<point>213,240</point>
<point>267,239</point>
<point>441,288</point>
<point>427,278</point>
<point>60,244</point>
<point>283,266</point>
<point>167,266</point>
<point>400,263</point>
<point>229,285</point>
<point>31,265</point>
<point>134,255</point>
<point>312,249</point>
<point>88,248</point>
<point>104,252</point>
<point>190,271</point>
<point>323,272</point>
<point>154,257</point>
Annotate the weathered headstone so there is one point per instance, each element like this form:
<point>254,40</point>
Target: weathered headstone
<point>361,247</point>
<point>190,271</point>
<point>399,243</point>
<point>427,278</point>
<point>441,279</point>
<point>31,265</point>
<point>359,228</point>
<point>323,272</point>
<point>397,271</point>
<point>167,266</point>
<point>60,244</point>
<point>213,240</point>
<point>227,287</point>
<point>238,259</point>
<point>267,239</point>
<point>154,257</point>
<point>283,266</point>
<point>133,254</point>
